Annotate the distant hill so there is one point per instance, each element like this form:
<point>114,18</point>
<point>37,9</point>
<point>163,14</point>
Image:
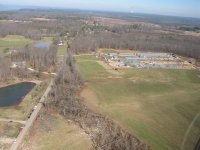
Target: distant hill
<point>8,7</point>
<point>153,18</point>
<point>18,7</point>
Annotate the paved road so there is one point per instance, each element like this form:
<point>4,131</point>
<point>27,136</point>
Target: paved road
<point>11,120</point>
<point>32,118</point>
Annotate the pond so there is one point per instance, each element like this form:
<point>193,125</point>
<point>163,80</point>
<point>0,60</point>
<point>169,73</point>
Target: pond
<point>41,45</point>
<point>14,94</point>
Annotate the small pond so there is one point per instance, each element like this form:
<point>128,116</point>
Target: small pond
<point>41,45</point>
<point>14,94</point>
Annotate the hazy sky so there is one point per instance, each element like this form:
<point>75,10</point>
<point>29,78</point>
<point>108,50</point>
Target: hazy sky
<point>167,7</point>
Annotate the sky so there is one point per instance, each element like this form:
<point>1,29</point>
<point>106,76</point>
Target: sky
<point>187,8</point>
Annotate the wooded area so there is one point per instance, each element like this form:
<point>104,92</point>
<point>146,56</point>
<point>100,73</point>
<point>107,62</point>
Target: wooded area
<point>91,34</point>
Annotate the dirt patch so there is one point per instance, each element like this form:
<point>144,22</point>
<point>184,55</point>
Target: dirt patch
<point>109,69</point>
<point>111,21</point>
<point>42,19</point>
<point>137,79</point>
<point>114,77</point>
<point>116,50</point>
<point>86,92</point>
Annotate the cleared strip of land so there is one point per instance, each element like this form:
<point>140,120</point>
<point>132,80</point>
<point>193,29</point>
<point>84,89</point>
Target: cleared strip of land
<point>11,120</point>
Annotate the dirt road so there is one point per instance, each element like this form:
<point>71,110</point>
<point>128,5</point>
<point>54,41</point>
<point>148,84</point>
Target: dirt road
<point>32,118</point>
<point>11,120</point>
<point>6,140</point>
<point>109,68</point>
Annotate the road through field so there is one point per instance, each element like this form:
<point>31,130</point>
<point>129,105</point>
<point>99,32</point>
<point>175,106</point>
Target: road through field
<point>11,120</point>
<point>32,118</point>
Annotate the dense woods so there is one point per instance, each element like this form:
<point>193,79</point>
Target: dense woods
<point>5,71</point>
<point>37,58</point>
<point>139,39</point>
<point>24,61</point>
<point>26,23</point>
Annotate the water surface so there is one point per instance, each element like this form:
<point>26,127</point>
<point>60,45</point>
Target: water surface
<point>13,94</point>
<point>41,45</point>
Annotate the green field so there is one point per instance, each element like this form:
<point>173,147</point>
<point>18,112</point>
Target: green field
<point>156,105</point>
<point>16,41</point>
<point>13,41</point>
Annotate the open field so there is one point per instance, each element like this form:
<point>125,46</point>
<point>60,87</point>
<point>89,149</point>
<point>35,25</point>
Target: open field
<point>54,132</point>
<point>13,41</point>
<point>9,129</point>
<point>21,111</point>
<point>16,41</point>
<point>156,105</point>
<point>46,39</point>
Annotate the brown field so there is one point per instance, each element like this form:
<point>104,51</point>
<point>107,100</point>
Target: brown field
<point>111,21</point>
<point>42,19</point>
<point>53,132</point>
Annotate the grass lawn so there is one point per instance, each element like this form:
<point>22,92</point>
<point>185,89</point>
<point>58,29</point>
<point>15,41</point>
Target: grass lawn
<point>156,105</point>
<point>21,111</point>
<point>47,39</point>
<point>13,41</point>
<point>16,41</point>
<point>55,133</point>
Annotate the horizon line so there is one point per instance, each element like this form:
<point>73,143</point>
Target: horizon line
<point>82,9</point>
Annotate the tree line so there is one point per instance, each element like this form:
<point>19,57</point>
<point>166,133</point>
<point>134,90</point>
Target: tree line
<point>143,40</point>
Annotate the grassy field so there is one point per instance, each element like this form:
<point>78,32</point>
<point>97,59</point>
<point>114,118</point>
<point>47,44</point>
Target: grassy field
<point>13,41</point>
<point>16,41</point>
<point>21,111</point>
<point>156,105</point>
<point>54,132</point>
<point>9,129</point>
